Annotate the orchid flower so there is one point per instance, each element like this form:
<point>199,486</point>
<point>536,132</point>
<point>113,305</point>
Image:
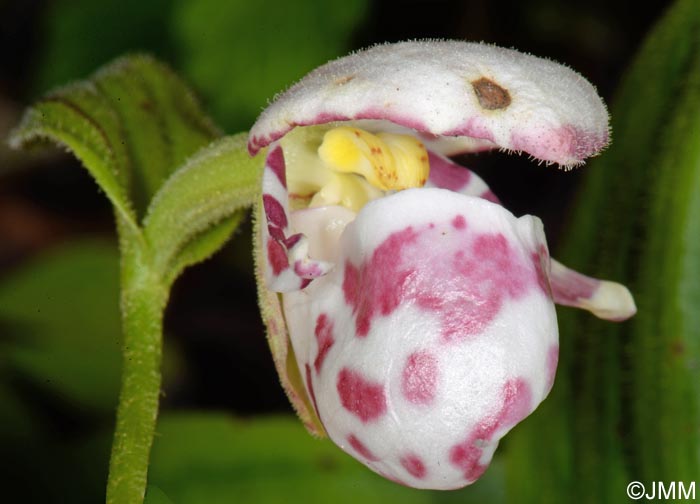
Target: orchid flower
<point>420,311</point>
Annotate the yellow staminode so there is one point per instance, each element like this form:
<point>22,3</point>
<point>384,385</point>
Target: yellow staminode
<point>387,161</point>
<point>347,190</point>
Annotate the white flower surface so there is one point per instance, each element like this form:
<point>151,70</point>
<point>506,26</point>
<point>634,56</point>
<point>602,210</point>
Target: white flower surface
<point>411,317</point>
<point>498,98</point>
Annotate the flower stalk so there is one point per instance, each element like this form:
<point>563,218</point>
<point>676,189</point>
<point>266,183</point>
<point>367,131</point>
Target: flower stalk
<point>143,300</point>
<point>178,193</point>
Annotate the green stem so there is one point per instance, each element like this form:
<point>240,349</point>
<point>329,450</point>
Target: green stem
<point>143,301</point>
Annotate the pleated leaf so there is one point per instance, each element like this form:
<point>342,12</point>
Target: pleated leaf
<point>626,405</point>
<point>200,205</point>
<point>131,124</point>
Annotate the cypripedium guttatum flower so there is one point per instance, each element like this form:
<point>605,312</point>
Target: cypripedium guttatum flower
<point>410,315</point>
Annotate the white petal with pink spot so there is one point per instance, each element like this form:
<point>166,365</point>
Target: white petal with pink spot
<point>424,325</point>
<point>495,97</point>
<point>433,334</point>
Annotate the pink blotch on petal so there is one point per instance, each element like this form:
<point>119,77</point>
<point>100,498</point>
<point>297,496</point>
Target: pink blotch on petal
<point>324,117</point>
<point>292,240</point>
<point>275,161</point>
<point>310,388</point>
<point>504,268</point>
<point>388,114</point>
<point>324,339</point>
<point>465,456</point>
<point>459,222</point>
<point>583,143</point>
<point>541,261</point>
<point>569,287</point>
<point>360,448</point>
<point>566,144</point>
<point>255,143</point>
<point>474,127</point>
<point>276,233</point>
<point>490,273</point>
<point>308,270</point>
<point>419,378</point>
<point>414,465</point>
<point>361,397</point>
<point>466,292</point>
<point>517,402</point>
<point>446,174</point>
<point>376,288</point>
<point>274,211</point>
<point>488,195</point>
<point>277,257</point>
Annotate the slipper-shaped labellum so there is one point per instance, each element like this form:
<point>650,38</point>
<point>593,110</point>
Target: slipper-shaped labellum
<point>420,312</point>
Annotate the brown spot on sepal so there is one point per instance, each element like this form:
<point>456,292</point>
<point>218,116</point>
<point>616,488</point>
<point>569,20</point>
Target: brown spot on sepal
<point>491,96</point>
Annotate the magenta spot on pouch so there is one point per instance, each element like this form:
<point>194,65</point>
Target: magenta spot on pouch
<point>414,465</point>
<point>459,222</point>
<point>466,455</point>
<point>324,339</point>
<point>361,397</point>
<point>464,281</point>
<point>361,449</point>
<point>419,378</point>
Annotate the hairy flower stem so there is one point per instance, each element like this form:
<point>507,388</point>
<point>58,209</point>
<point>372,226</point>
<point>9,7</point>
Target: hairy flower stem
<point>143,301</point>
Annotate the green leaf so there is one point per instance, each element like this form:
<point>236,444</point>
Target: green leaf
<point>203,245</point>
<point>131,124</point>
<point>253,50</point>
<point>190,217</point>
<point>664,340</point>
<point>80,118</point>
<point>211,189</point>
<point>628,395</point>
<point>61,313</point>
<point>215,459</point>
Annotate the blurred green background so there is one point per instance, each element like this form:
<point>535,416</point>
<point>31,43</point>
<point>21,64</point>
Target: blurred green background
<point>227,432</point>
